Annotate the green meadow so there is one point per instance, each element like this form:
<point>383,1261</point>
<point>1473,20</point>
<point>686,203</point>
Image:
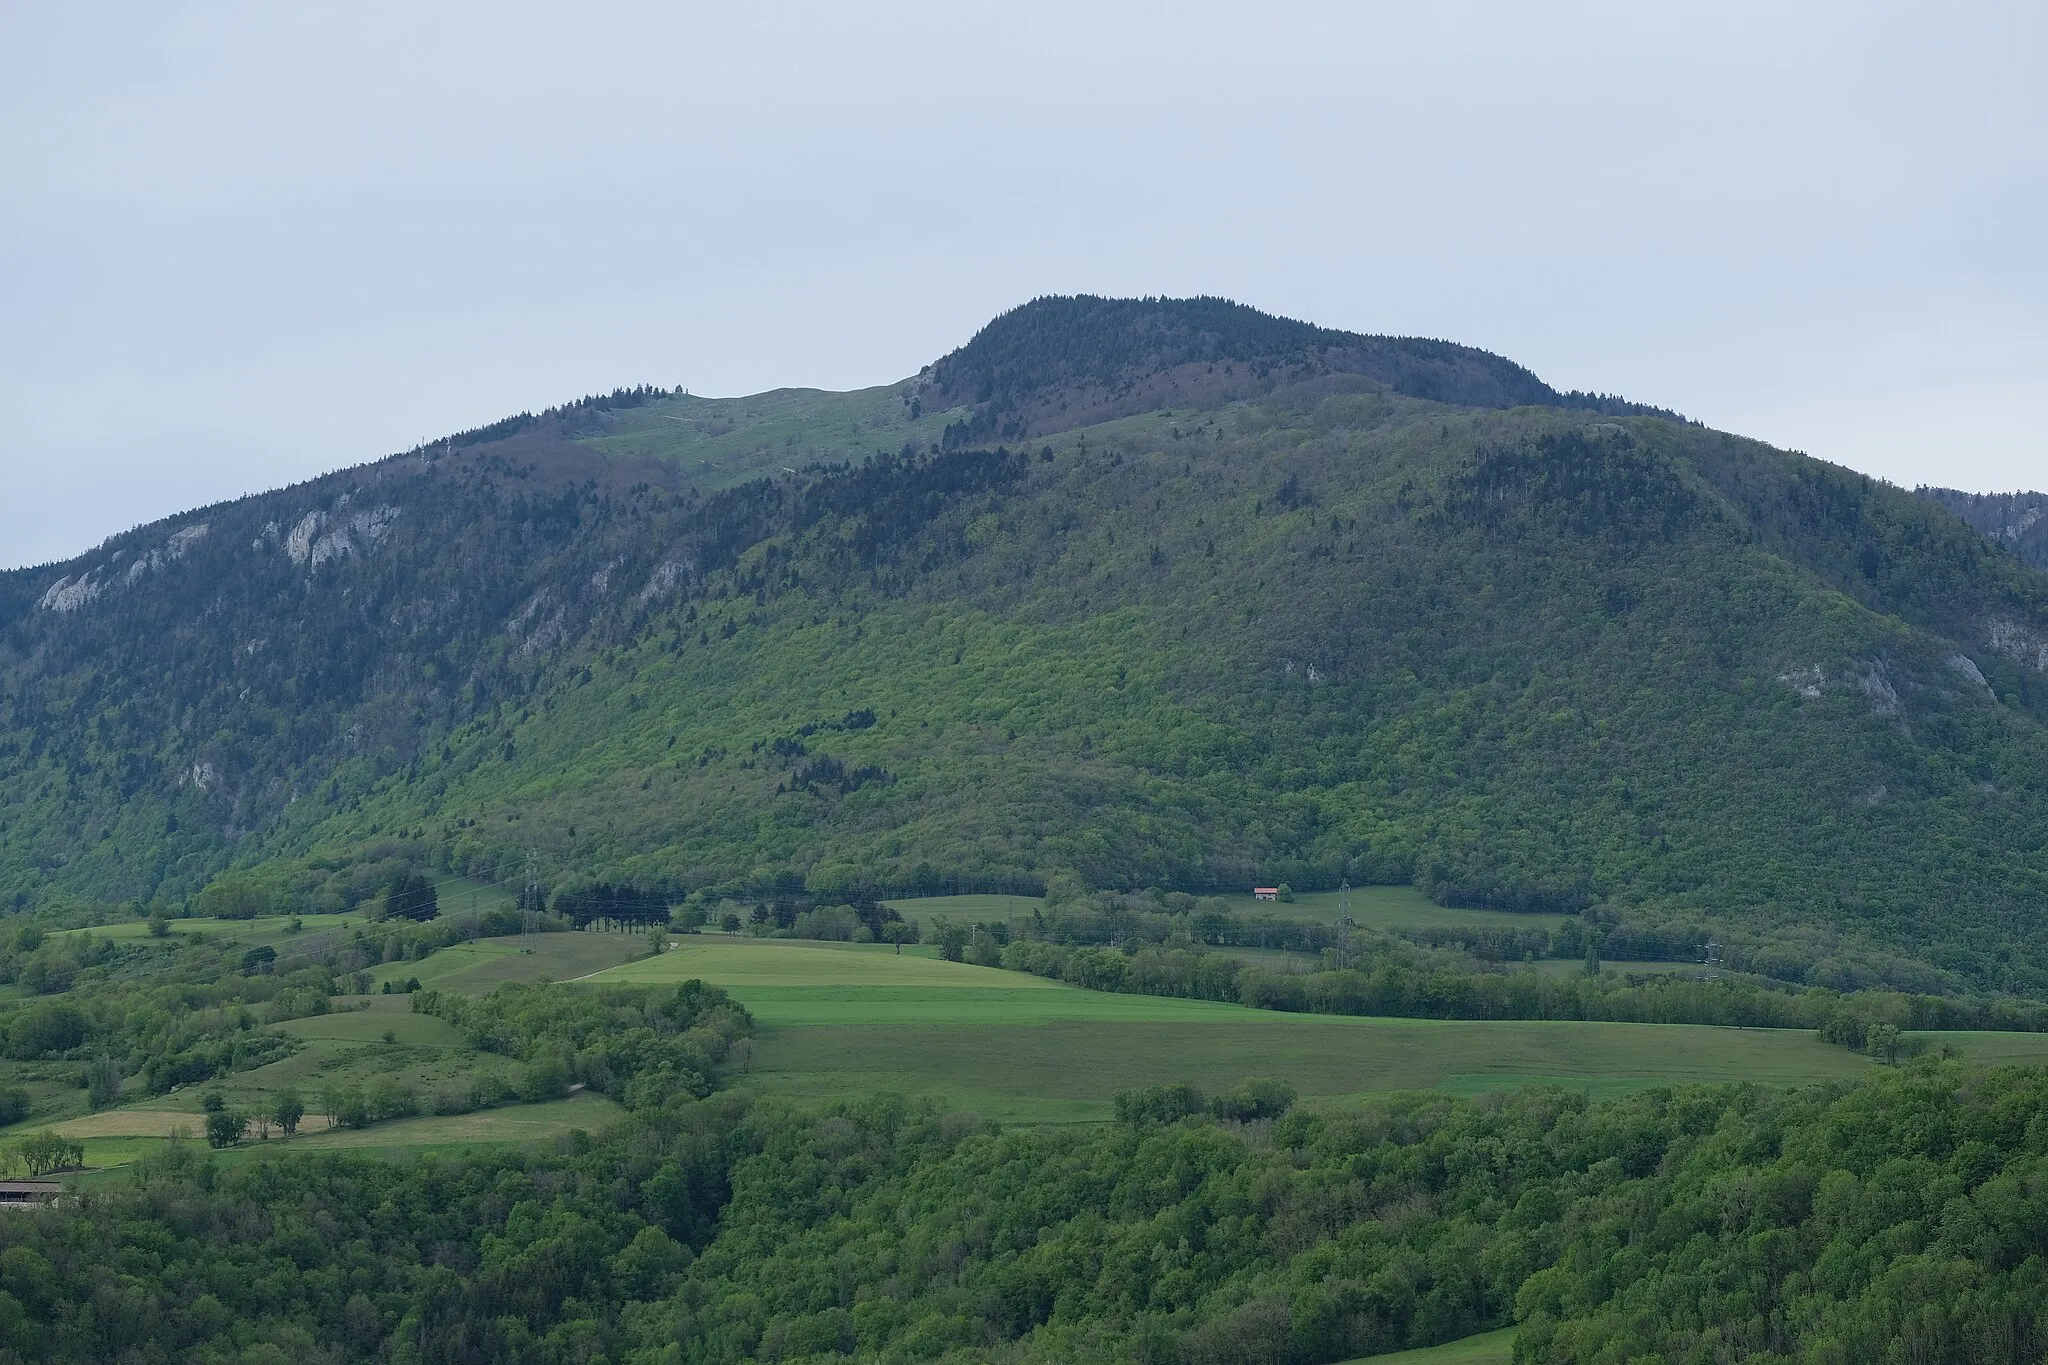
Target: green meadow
<point>842,1020</point>
<point>1488,1348</point>
<point>475,967</point>
<point>922,910</point>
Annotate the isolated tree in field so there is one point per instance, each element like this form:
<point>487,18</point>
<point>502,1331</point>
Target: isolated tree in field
<point>288,1110</point>
<point>899,932</point>
<point>224,1128</point>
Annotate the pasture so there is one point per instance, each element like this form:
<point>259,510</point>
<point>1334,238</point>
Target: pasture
<point>922,910</point>
<point>119,1137</point>
<point>477,966</point>
<point>840,1020</point>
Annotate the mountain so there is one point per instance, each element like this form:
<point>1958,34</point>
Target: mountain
<point>1131,592</point>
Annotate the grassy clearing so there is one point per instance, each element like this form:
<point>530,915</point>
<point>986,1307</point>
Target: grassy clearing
<point>157,1122</point>
<point>825,1006</point>
<point>921,910</point>
<point>126,1137</point>
<point>1068,1070</point>
<point>719,442</point>
<point>370,1025</point>
<point>742,962</point>
<point>457,895</point>
<point>474,968</point>
<point>840,1021</point>
<point>511,1123</point>
<point>1488,1348</point>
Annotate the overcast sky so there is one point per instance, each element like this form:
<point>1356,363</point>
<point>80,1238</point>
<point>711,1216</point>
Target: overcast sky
<point>241,245</point>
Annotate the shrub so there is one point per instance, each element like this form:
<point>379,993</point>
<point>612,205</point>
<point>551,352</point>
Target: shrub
<point>546,1078</point>
<point>389,1099</point>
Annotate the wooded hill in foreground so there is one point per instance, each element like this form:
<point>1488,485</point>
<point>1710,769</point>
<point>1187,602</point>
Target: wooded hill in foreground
<point>1900,1218</point>
<point>1145,592</point>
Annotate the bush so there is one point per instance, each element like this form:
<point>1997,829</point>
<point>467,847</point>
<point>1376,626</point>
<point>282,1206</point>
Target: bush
<point>546,1078</point>
<point>488,1088</point>
<point>347,1108</point>
<point>388,1099</point>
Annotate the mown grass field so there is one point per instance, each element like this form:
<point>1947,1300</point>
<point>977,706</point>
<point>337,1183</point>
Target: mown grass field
<point>121,1137</point>
<point>922,910</point>
<point>480,965</point>
<point>840,1021</point>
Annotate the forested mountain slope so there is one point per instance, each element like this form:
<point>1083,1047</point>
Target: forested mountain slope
<point>2018,521</point>
<point>1152,592</point>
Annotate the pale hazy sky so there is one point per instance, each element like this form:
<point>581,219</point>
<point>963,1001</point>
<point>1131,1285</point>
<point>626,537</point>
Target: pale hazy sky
<point>241,245</point>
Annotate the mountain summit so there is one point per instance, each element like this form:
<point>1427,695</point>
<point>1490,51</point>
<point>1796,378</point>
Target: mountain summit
<point>1058,363</point>
<point>1136,592</point>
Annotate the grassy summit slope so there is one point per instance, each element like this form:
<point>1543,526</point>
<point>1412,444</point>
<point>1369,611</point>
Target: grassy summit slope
<point>1163,594</point>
